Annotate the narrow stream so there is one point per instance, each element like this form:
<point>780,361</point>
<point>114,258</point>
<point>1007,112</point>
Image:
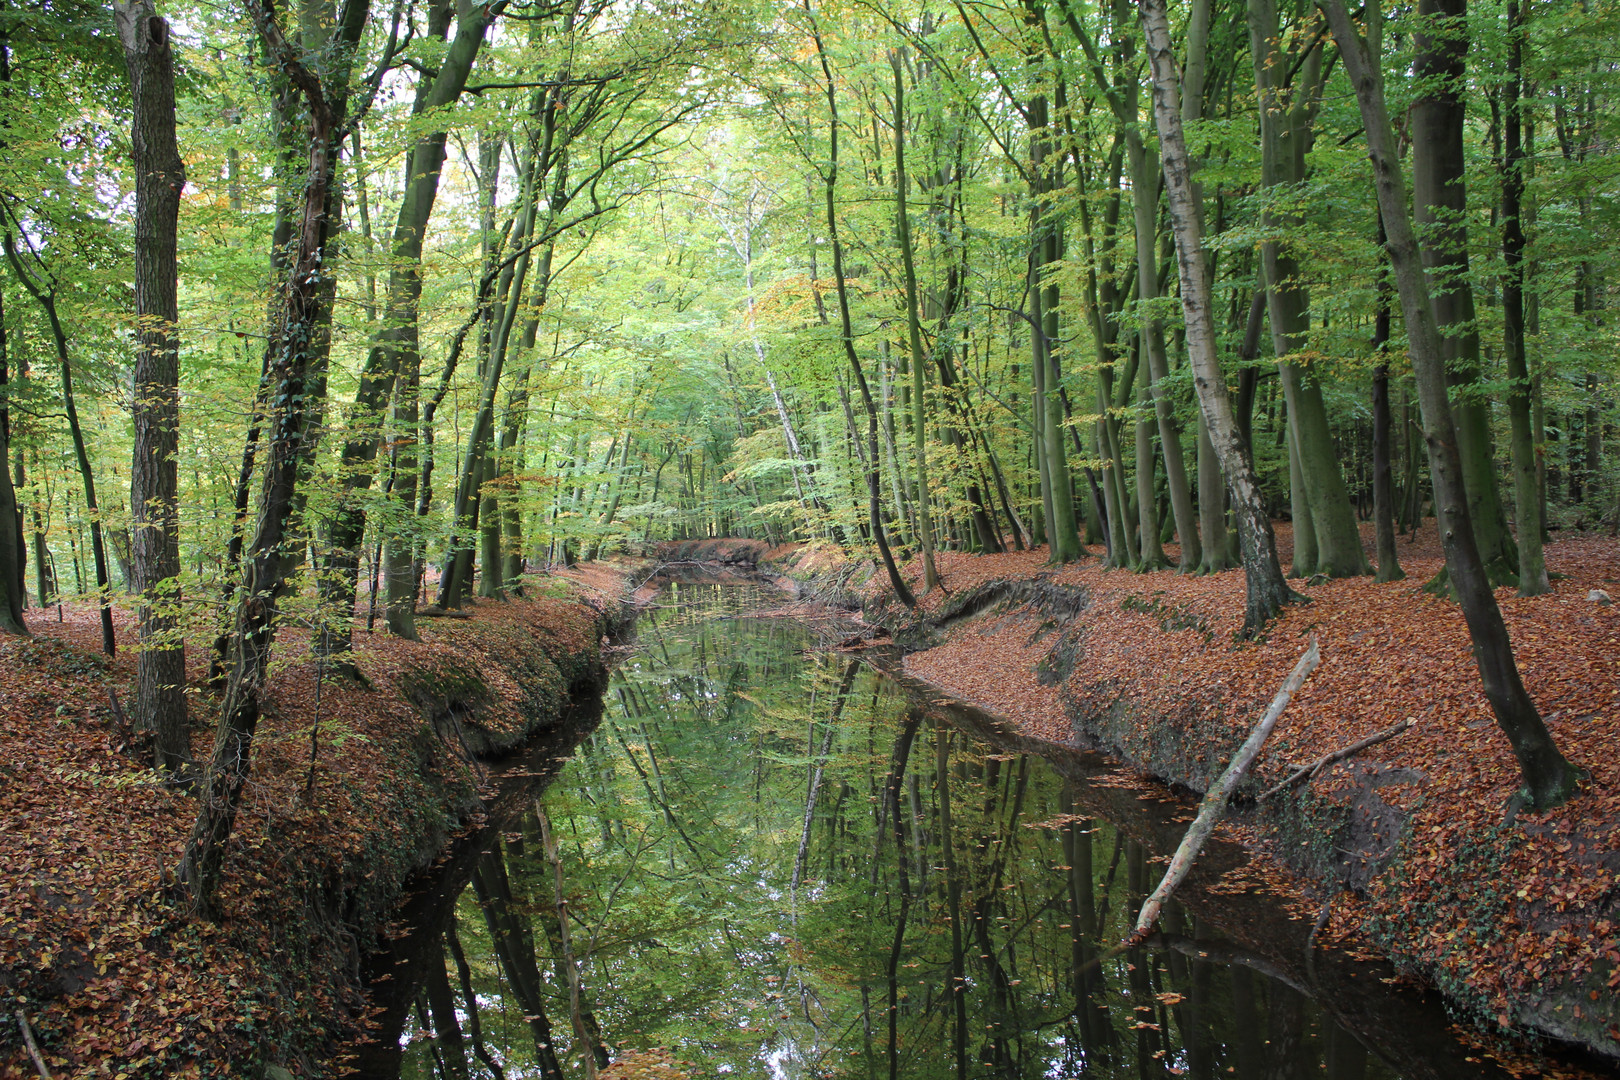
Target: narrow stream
<point>764,859</point>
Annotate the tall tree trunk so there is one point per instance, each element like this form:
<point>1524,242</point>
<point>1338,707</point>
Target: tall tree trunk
<point>1389,567</point>
<point>13,593</point>
<point>1267,589</point>
<point>160,176</point>
<point>1549,779</point>
<point>289,452</point>
<point>46,297</point>
<point>1439,200</point>
<point>1529,511</point>
<point>1145,186</point>
<point>1287,109</point>
<point>1149,546</point>
<point>925,519</point>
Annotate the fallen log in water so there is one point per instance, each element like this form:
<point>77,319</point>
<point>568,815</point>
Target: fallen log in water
<point>1214,804</point>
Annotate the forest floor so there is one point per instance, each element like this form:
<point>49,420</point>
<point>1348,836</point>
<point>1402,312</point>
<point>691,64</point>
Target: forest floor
<point>353,788</point>
<point>1516,921</point>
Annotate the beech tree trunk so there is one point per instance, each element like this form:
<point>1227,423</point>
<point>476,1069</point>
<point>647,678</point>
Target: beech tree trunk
<point>1548,778</point>
<point>13,592</point>
<point>1439,199</point>
<point>1267,589</point>
<point>1389,567</point>
<point>1527,497</point>
<point>289,452</point>
<point>1289,84</point>
<point>160,176</point>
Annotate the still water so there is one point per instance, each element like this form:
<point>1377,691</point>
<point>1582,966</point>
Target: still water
<point>765,859</point>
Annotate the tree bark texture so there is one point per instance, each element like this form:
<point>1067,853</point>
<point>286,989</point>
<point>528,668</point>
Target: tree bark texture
<point>289,450</point>
<point>160,176</point>
<point>1267,589</point>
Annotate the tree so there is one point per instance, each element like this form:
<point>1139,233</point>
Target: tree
<point>13,592</point>
<point>1440,202</point>
<point>160,176</point>
<point>1289,83</point>
<point>1268,591</point>
<point>1548,778</point>
<point>293,402</point>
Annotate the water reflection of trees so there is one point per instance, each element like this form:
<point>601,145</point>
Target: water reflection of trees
<point>764,861</point>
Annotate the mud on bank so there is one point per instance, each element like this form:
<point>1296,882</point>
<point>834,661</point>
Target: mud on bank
<point>112,980</point>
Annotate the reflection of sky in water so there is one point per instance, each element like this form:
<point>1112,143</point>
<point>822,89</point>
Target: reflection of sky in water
<point>682,817</point>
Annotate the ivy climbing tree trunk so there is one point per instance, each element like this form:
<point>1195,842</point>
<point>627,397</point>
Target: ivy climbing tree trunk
<point>160,176</point>
<point>289,450</point>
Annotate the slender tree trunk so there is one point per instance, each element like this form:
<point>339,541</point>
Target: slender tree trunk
<point>1389,567</point>
<point>1528,507</point>
<point>1439,199</point>
<point>1549,778</point>
<point>13,593</point>
<point>160,175</point>
<point>290,449</point>
<point>1145,186</point>
<point>1150,547</point>
<point>925,519</point>
<point>1267,589</point>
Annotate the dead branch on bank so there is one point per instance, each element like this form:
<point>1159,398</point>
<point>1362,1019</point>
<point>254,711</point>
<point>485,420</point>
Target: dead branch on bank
<point>1310,771</point>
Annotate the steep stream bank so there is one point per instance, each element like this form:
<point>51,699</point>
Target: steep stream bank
<point>355,787</point>
<point>1406,845</point>
<point>764,853</point>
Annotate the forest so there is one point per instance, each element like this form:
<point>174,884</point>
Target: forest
<point>343,316</point>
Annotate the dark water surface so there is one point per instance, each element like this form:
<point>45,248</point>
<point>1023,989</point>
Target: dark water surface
<point>773,861</point>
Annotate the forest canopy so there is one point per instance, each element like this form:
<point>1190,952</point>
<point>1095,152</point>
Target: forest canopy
<point>334,314</point>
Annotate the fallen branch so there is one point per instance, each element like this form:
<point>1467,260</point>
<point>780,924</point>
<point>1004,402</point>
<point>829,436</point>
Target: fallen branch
<point>1214,804</point>
<point>1310,771</point>
<point>33,1047</point>
<point>437,612</point>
